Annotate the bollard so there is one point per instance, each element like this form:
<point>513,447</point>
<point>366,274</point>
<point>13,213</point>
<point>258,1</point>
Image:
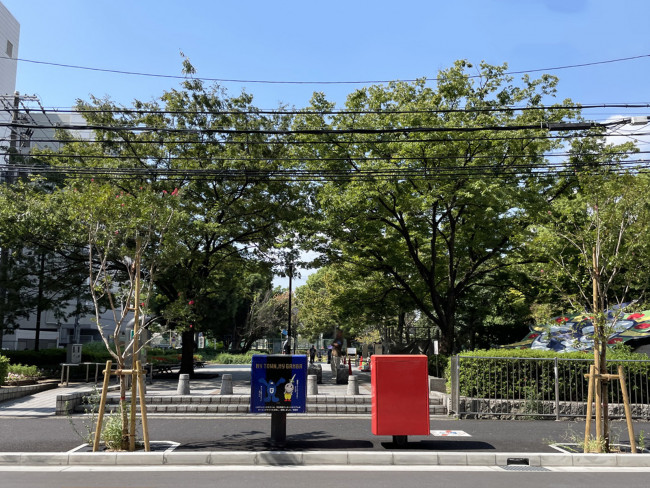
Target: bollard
<point>183,384</point>
<point>226,384</point>
<point>353,386</point>
<point>312,384</point>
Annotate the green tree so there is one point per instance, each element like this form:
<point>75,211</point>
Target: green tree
<point>595,254</point>
<point>216,154</point>
<point>45,269</point>
<point>437,197</point>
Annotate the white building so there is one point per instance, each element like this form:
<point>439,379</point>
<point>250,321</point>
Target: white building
<point>9,36</point>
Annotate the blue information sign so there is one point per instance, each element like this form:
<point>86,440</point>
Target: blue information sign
<point>279,383</point>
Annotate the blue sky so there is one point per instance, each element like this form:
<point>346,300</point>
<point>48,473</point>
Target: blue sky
<point>327,41</point>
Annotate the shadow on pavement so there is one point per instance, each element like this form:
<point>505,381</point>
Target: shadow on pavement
<point>443,445</point>
<point>261,441</point>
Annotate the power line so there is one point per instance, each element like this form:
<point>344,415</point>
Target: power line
<point>386,111</point>
<point>295,175</point>
<point>167,157</point>
<point>278,82</point>
<point>542,125</point>
<point>290,142</point>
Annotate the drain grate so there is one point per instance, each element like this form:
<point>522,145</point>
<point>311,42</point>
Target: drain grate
<point>518,467</point>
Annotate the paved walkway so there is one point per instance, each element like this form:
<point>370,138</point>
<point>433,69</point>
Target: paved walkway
<point>43,404</point>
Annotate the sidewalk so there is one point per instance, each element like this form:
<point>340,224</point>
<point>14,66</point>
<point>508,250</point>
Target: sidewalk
<point>208,382</point>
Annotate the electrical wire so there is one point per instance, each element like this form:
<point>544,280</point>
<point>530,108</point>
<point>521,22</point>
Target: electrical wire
<point>315,175</point>
<point>277,82</point>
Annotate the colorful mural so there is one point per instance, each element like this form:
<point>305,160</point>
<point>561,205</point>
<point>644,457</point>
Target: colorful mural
<point>575,333</point>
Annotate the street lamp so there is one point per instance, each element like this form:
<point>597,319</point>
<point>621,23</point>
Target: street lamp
<point>290,273</point>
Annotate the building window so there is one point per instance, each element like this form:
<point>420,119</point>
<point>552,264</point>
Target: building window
<point>10,49</point>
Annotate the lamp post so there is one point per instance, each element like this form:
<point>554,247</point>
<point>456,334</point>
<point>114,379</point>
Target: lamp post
<point>289,335</point>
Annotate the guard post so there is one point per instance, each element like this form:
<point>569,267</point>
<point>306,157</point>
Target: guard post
<point>278,387</point>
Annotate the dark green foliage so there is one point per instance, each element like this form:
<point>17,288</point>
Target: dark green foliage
<point>516,374</point>
<point>4,369</point>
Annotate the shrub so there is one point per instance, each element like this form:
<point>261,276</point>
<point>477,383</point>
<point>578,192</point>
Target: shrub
<point>47,360</point>
<point>227,358</point>
<point>95,352</point>
<point>4,369</point>
<point>31,372</point>
<point>504,373</point>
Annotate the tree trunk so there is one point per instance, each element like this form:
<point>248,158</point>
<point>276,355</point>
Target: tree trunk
<point>124,410</point>
<point>39,303</point>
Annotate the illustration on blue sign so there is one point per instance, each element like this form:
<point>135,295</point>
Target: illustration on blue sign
<point>279,383</point>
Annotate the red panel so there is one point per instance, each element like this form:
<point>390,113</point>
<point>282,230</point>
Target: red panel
<point>400,395</point>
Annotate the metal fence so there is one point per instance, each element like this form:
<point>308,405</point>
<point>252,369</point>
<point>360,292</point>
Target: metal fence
<point>509,387</point>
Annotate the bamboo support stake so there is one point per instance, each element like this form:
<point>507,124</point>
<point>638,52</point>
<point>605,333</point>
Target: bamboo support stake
<point>134,351</point>
<point>102,405</point>
<point>590,399</point>
<point>626,405</point>
<point>143,410</point>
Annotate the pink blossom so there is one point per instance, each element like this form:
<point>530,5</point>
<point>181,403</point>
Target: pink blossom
<point>191,302</point>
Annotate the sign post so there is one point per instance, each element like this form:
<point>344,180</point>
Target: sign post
<point>279,386</point>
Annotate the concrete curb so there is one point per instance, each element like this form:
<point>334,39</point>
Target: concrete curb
<point>317,458</point>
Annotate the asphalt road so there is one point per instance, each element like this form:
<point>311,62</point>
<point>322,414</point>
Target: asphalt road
<point>56,434</point>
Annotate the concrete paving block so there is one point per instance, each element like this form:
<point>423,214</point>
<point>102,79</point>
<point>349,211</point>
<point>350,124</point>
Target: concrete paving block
<point>279,458</point>
<point>594,459</point>
<point>341,400</point>
<point>316,458</point>
<point>93,458</point>
<point>156,458</point>
<point>341,408</point>
<point>243,408</point>
<point>321,408</point>
<point>322,399</point>
<point>633,460</point>
<point>350,399</point>
<point>452,458</point>
<point>330,408</point>
<point>415,458</point>
<point>233,458</point>
<point>373,458</point>
<point>232,408</point>
<point>195,457</point>
<point>43,458</point>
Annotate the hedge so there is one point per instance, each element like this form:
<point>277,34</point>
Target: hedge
<point>4,369</point>
<point>516,374</point>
